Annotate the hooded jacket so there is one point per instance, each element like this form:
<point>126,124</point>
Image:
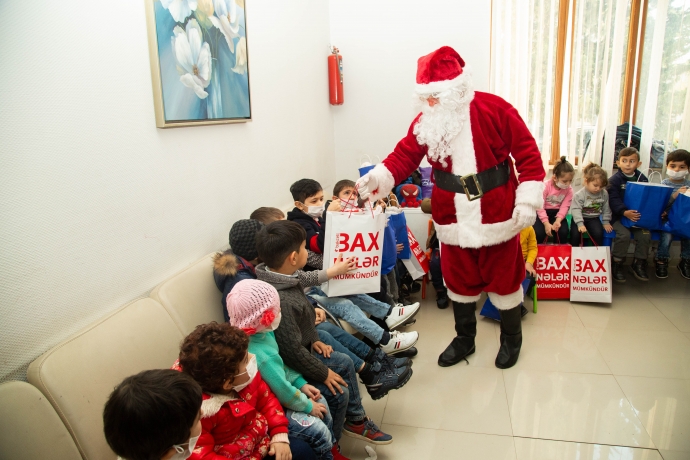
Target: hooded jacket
<point>228,270</point>
<point>315,228</point>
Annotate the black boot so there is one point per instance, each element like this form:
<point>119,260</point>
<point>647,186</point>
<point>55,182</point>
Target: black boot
<point>617,271</point>
<point>684,268</point>
<point>442,298</point>
<point>466,328</point>
<point>639,269</point>
<point>511,338</point>
<point>661,268</point>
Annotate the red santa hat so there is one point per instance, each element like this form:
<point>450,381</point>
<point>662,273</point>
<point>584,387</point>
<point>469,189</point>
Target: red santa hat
<point>439,71</point>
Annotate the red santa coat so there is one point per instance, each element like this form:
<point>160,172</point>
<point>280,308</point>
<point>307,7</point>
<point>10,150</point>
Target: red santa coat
<point>493,131</point>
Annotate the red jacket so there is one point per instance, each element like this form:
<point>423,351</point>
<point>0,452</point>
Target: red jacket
<point>240,427</point>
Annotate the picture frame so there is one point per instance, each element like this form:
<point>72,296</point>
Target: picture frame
<point>199,62</point>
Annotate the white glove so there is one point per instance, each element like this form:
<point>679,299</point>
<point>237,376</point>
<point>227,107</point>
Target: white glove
<point>524,216</point>
<point>366,184</point>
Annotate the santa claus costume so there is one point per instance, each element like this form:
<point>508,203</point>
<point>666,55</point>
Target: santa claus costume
<point>478,204</point>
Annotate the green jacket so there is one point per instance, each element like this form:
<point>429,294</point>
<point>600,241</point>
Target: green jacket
<point>282,380</point>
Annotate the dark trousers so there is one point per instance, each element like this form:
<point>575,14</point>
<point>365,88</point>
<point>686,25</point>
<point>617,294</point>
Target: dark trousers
<point>435,270</point>
<point>594,227</point>
<point>540,231</point>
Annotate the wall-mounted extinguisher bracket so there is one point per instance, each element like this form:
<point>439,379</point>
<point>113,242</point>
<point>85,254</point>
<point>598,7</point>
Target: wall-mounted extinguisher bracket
<point>335,77</point>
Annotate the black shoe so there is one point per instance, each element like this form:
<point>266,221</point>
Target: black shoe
<point>466,329</point>
<point>415,287</point>
<point>617,272</point>
<point>379,356</point>
<point>379,382</point>
<point>511,338</point>
<point>661,269</point>
<point>442,299</point>
<point>684,268</point>
<point>409,353</point>
<point>523,311</point>
<point>639,269</point>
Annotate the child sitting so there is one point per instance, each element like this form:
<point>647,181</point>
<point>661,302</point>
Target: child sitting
<point>349,308</point>
<point>557,197</point>
<point>282,246</point>
<point>677,165</point>
<point>254,307</point>
<point>628,162</point>
<point>241,417</point>
<point>155,414</point>
<point>588,205</point>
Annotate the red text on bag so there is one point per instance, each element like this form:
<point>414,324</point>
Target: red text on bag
<point>342,242</point>
<point>591,266</point>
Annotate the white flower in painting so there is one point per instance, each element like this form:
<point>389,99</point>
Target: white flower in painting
<point>241,57</point>
<point>193,57</point>
<point>226,20</point>
<point>179,9</point>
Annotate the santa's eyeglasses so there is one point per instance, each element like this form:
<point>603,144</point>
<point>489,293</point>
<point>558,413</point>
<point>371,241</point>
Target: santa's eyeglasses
<point>426,97</point>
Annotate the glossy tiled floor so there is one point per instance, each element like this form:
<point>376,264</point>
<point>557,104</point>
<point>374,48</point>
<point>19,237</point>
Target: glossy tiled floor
<point>593,381</point>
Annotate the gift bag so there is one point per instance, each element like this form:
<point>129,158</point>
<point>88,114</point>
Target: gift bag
<point>679,217</point>
<point>590,275</point>
<point>418,263</point>
<point>553,271</point>
<point>358,235</point>
<point>427,185</point>
<point>389,256</point>
<point>649,200</point>
<point>399,223</point>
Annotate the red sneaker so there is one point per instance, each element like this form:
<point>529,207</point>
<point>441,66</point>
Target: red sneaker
<point>336,453</point>
<point>367,431</point>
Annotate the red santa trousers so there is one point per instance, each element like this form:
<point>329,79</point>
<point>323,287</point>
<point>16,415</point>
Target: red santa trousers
<point>497,270</point>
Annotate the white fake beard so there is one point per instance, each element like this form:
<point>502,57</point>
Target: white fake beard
<point>440,124</point>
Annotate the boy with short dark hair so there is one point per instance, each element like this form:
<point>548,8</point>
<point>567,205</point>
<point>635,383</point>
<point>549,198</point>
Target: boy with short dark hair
<point>282,247</point>
<point>155,414</point>
<point>677,166</point>
<point>628,162</point>
<point>266,215</point>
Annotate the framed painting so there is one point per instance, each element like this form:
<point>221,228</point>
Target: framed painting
<point>199,61</point>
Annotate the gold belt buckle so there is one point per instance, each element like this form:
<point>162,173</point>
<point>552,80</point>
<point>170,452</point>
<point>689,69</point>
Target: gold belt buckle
<point>476,183</point>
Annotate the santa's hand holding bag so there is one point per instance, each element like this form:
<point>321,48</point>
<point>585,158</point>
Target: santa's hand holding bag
<point>479,206</point>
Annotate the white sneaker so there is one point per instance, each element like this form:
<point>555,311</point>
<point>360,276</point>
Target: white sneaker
<point>400,341</point>
<point>401,314</point>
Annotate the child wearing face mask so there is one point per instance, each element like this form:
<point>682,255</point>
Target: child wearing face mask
<point>241,418</point>
<point>170,398</point>
<point>254,307</point>
<point>677,165</point>
<point>558,194</point>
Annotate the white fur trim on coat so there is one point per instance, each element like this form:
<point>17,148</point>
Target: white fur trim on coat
<point>385,182</point>
<point>463,298</point>
<point>507,302</point>
<point>211,406</point>
<point>440,86</point>
<point>530,193</point>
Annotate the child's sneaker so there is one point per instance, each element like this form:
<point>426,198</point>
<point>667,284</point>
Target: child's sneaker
<point>409,353</point>
<point>383,379</point>
<point>383,358</point>
<point>401,314</point>
<point>367,431</point>
<point>400,341</point>
<point>661,269</point>
<point>639,269</point>
<point>336,453</point>
<point>684,268</point>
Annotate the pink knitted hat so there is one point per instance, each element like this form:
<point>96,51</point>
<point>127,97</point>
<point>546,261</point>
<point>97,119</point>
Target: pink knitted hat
<point>253,305</point>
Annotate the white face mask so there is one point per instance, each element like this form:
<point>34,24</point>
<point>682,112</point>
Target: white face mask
<point>182,453</point>
<point>676,174</point>
<point>274,325</point>
<point>562,186</point>
<point>251,371</point>
<point>315,211</point>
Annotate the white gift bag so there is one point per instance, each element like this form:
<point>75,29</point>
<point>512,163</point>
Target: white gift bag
<point>358,235</point>
<point>590,274</point>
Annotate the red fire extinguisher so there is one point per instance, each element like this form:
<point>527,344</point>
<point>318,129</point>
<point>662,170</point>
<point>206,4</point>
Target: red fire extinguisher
<point>335,77</point>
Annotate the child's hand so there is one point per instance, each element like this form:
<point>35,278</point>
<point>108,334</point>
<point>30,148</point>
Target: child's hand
<point>341,266</point>
<point>382,204</point>
<point>322,349</point>
<point>581,228</point>
<point>311,391</point>
<point>281,451</point>
<point>335,206</point>
<point>399,247</point>
<point>320,316</point>
<point>318,410</point>
<point>556,225</point>
<point>529,268</point>
<point>632,215</point>
<point>548,227</point>
<point>333,382</point>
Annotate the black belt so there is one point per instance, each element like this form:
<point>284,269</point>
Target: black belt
<point>474,185</point>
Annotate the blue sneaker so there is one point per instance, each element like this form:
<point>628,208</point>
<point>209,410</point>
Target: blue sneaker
<point>367,431</point>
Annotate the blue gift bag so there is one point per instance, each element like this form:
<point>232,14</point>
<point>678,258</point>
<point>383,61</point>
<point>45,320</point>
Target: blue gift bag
<point>365,169</point>
<point>649,200</point>
<point>679,217</point>
<point>389,256</point>
<point>399,224</point>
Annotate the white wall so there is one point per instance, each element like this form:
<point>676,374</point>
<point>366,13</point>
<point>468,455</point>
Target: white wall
<point>380,42</point>
<point>96,204</point>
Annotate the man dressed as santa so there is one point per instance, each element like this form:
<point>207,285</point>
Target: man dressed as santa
<point>479,205</point>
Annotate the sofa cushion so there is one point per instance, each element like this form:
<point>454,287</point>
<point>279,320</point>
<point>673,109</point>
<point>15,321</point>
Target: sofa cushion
<point>191,296</point>
<point>29,426</point>
<point>78,375</point>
